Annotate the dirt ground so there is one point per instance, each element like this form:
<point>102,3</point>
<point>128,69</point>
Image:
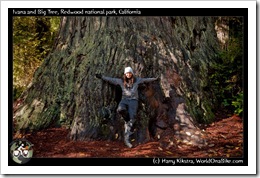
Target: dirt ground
<point>224,139</point>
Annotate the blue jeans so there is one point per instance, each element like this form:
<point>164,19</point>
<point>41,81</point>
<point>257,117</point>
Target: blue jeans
<point>128,109</point>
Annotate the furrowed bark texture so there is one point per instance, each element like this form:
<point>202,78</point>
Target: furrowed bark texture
<point>178,50</point>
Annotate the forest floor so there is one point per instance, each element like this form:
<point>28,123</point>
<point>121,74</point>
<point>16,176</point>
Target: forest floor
<point>224,139</point>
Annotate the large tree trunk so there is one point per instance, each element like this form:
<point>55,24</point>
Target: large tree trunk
<point>65,91</point>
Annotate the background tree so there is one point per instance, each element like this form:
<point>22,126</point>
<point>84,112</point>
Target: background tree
<point>226,73</point>
<point>33,38</point>
<point>180,50</point>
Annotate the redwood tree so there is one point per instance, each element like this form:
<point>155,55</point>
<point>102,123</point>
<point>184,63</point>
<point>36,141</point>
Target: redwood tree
<point>178,50</point>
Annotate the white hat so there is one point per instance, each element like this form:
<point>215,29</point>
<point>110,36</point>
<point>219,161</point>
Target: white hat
<point>129,69</point>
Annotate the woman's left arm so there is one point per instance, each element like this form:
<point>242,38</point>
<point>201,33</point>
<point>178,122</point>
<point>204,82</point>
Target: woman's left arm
<point>146,80</point>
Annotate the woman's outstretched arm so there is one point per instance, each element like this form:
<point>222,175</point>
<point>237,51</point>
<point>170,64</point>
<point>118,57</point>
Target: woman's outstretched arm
<point>115,81</point>
<point>146,80</point>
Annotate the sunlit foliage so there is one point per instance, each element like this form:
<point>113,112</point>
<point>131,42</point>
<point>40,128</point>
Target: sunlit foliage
<point>33,38</point>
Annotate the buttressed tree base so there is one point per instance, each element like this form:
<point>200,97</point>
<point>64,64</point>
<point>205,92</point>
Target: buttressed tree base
<point>65,93</point>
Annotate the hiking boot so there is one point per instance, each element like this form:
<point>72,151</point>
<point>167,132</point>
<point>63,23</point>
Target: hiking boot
<point>128,133</point>
<point>127,142</point>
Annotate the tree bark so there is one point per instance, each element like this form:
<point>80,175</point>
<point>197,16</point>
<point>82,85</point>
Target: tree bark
<point>178,50</point>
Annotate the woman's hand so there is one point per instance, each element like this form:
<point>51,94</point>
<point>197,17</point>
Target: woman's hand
<point>99,76</point>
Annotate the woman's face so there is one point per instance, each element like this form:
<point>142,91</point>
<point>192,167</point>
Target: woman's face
<point>128,75</point>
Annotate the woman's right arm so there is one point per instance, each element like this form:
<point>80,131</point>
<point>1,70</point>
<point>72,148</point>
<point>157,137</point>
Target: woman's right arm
<point>115,81</point>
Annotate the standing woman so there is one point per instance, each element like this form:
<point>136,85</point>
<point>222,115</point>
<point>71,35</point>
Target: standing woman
<point>128,105</point>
